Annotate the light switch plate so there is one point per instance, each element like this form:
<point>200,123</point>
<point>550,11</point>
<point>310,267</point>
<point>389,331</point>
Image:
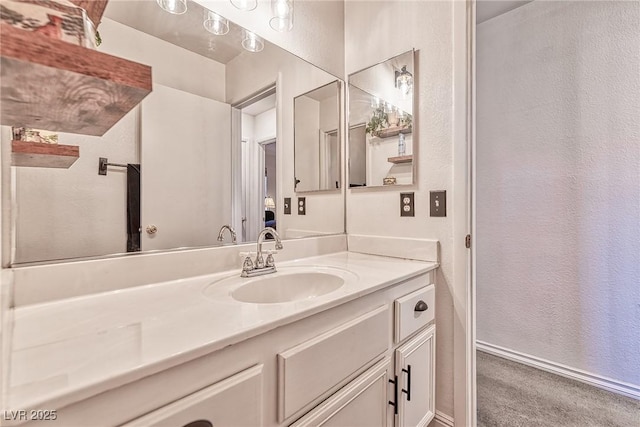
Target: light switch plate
<point>406,204</point>
<point>438,203</point>
<point>287,205</point>
<point>302,206</point>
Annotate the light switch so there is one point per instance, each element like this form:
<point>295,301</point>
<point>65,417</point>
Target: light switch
<point>302,206</point>
<point>438,203</point>
<point>287,205</point>
<point>406,204</point>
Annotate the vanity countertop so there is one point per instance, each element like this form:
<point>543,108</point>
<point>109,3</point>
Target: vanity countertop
<point>69,350</point>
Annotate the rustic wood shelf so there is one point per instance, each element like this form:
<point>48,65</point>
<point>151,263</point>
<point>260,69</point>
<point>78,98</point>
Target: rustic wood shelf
<point>39,155</point>
<point>393,131</point>
<point>400,159</point>
<point>54,85</point>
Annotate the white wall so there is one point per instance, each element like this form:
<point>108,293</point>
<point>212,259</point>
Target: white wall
<point>558,184</point>
<point>391,28</point>
<point>68,213</point>
<point>307,140</point>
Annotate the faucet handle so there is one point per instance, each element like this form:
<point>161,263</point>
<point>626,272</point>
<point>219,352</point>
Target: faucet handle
<point>270,262</point>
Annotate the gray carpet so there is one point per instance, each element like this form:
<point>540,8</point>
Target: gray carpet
<point>514,395</point>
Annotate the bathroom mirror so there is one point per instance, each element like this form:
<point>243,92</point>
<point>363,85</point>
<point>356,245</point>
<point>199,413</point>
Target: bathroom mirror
<point>381,127</point>
<point>199,150</point>
<point>317,139</point>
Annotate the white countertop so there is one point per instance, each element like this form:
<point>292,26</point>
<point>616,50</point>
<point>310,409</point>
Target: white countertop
<point>69,350</point>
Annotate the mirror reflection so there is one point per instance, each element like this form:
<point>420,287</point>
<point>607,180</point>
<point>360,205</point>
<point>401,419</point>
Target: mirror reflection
<point>317,139</point>
<point>192,158</point>
<point>381,101</point>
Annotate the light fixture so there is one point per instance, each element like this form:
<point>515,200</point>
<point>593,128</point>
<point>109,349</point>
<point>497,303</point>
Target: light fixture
<point>177,7</point>
<point>375,102</point>
<point>215,23</point>
<point>282,11</point>
<point>252,42</point>
<point>245,4</point>
<point>404,80</point>
<point>269,203</point>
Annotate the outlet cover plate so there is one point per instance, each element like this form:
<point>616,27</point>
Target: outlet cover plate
<point>287,205</point>
<point>438,203</point>
<point>406,204</point>
<point>302,206</point>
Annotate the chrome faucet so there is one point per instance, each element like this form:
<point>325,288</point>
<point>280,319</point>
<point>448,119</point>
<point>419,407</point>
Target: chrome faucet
<point>231,231</point>
<point>260,266</point>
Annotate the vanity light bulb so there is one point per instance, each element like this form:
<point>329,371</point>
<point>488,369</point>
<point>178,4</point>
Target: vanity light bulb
<point>245,4</point>
<point>282,12</point>
<point>215,23</point>
<point>252,42</point>
<point>176,7</point>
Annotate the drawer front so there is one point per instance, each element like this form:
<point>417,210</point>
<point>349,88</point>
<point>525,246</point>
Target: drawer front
<point>236,401</point>
<point>311,369</point>
<point>411,314</point>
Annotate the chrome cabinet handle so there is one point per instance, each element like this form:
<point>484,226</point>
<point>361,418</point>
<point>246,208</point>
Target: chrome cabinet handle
<point>421,306</point>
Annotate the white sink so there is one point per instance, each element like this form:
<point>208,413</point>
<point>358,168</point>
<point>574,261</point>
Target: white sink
<point>286,285</point>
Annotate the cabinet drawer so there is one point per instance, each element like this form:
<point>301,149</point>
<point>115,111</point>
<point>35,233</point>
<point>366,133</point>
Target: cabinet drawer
<point>311,369</point>
<point>236,401</point>
<point>408,315</point>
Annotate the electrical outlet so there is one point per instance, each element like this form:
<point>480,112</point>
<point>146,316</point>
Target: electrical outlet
<point>438,203</point>
<point>406,204</point>
<point>302,206</point>
<point>287,205</point>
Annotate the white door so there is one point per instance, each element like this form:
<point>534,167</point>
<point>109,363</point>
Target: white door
<point>361,403</point>
<point>415,368</point>
<point>185,168</point>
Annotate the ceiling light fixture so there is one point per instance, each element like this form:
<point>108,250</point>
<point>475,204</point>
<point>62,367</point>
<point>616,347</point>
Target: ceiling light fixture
<point>404,80</point>
<point>215,23</point>
<point>282,11</point>
<point>252,42</point>
<point>245,4</point>
<point>177,7</point>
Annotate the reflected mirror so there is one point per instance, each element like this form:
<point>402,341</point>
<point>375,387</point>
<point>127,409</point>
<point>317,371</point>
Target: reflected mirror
<point>381,128</point>
<point>194,156</point>
<point>317,139</point>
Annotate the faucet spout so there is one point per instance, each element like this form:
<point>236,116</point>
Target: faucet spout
<point>232,232</point>
<point>260,266</point>
<point>263,235</point>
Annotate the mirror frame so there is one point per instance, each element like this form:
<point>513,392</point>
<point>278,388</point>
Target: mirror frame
<point>341,124</point>
<point>414,123</point>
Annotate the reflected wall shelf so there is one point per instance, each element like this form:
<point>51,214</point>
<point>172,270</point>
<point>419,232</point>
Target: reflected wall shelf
<point>39,155</point>
<point>54,85</point>
<point>393,131</point>
<point>400,159</point>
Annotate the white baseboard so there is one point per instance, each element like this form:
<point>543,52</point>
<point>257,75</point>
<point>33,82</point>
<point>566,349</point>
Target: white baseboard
<point>443,420</point>
<point>626,389</point>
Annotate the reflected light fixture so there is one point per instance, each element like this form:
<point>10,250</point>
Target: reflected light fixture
<point>252,42</point>
<point>245,4</point>
<point>375,102</point>
<point>404,80</point>
<point>282,12</point>
<point>177,7</point>
<point>269,203</point>
<point>215,23</point>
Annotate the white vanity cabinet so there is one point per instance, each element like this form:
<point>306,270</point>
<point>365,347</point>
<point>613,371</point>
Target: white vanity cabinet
<point>234,402</point>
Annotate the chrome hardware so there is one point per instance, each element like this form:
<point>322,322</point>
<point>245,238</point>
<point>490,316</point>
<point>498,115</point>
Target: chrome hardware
<point>152,229</point>
<point>408,390</point>
<point>231,231</point>
<point>259,266</point>
<point>421,306</point>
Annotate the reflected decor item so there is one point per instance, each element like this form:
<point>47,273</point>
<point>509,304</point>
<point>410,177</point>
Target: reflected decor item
<point>252,42</point>
<point>269,203</point>
<point>282,11</point>
<point>404,80</point>
<point>215,23</point>
<point>176,7</point>
<point>245,4</point>
<point>389,180</point>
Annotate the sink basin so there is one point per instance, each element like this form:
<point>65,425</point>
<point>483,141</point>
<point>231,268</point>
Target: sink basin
<point>287,287</point>
<point>288,284</point>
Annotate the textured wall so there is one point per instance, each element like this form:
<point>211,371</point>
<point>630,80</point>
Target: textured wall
<point>558,184</point>
<point>374,32</point>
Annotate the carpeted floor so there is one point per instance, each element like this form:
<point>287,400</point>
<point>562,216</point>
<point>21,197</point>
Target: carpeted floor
<point>514,395</point>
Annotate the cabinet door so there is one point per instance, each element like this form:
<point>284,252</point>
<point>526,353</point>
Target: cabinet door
<point>415,368</point>
<point>236,401</point>
<point>361,403</point>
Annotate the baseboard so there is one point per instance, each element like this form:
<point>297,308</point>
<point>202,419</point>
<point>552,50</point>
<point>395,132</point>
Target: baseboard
<point>443,420</point>
<point>626,389</point>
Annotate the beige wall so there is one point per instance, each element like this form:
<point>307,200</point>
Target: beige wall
<point>391,28</point>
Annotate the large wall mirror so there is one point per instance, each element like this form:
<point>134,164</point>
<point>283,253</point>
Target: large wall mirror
<point>317,139</point>
<point>381,127</point>
<point>213,144</point>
